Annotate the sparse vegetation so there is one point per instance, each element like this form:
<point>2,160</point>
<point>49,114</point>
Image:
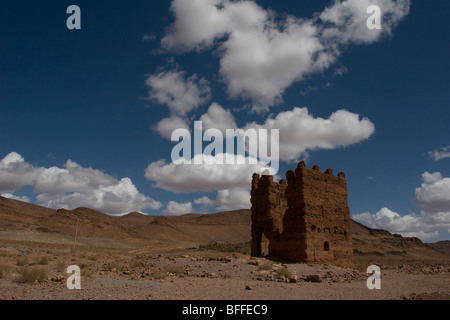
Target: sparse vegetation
<point>3,270</point>
<point>175,268</point>
<point>265,266</point>
<point>5,254</point>
<point>283,272</point>
<point>43,261</point>
<point>222,247</point>
<point>31,274</point>
<point>61,267</point>
<point>20,262</point>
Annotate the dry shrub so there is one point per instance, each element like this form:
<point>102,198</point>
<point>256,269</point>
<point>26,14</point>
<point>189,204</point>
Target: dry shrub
<point>283,272</point>
<point>265,266</point>
<point>31,274</point>
<point>20,262</point>
<point>3,270</point>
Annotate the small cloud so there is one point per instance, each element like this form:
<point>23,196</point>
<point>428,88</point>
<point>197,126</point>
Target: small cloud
<point>370,178</point>
<point>218,118</point>
<point>149,37</point>
<point>175,209</point>
<point>51,156</point>
<point>14,197</point>
<point>180,93</point>
<point>166,126</point>
<point>308,90</point>
<point>340,71</point>
<point>227,199</point>
<point>440,153</point>
<point>422,235</point>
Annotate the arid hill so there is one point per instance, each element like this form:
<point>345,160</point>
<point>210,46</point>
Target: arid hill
<point>443,246</point>
<point>21,221</point>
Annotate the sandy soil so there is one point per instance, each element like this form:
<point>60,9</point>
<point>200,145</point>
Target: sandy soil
<point>199,274</point>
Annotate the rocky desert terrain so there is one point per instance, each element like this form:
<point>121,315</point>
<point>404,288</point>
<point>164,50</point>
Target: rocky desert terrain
<point>195,257</point>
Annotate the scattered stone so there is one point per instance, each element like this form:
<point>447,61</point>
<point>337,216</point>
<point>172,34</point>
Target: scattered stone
<point>313,278</point>
<point>253,262</point>
<point>58,278</point>
<point>23,251</point>
<point>248,288</point>
<point>293,278</point>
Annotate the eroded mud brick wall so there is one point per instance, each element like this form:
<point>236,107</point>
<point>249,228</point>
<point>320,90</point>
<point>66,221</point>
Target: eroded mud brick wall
<point>268,208</point>
<point>307,219</point>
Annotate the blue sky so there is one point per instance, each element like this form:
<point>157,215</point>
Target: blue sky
<point>86,115</point>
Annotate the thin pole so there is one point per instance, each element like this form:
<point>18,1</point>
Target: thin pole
<point>76,233</point>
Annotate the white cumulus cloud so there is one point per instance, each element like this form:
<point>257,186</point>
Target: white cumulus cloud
<point>432,196</point>
<point>262,53</point>
<point>174,208</point>
<point>434,193</point>
<point>16,173</point>
<point>166,126</point>
<point>424,236</point>
<point>180,94</point>
<point>14,197</point>
<point>73,177</point>
<point>346,21</point>
<point>300,131</point>
<point>218,118</point>
<point>190,178</point>
<point>424,225</point>
<point>227,199</point>
<point>73,186</point>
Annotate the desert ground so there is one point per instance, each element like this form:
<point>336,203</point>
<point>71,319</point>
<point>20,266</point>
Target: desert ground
<point>195,257</point>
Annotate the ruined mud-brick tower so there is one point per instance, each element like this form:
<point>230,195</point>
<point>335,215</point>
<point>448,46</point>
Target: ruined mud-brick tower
<point>305,220</point>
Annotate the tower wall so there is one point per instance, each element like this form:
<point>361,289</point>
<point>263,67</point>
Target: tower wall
<point>305,220</point>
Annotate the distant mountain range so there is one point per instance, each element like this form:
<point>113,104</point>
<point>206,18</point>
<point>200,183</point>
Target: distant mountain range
<point>20,221</point>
